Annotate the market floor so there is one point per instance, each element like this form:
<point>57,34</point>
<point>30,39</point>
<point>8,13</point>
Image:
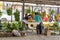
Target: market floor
<point>32,37</point>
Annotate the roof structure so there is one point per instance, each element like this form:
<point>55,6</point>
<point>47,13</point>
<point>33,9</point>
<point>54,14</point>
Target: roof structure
<point>49,2</point>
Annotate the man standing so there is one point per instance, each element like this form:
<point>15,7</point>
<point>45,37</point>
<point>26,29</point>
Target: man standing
<point>37,18</point>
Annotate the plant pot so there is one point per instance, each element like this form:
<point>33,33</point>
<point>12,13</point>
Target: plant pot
<point>48,33</point>
<point>53,33</point>
<point>22,33</point>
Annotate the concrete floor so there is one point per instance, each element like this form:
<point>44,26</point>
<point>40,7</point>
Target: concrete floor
<point>32,36</point>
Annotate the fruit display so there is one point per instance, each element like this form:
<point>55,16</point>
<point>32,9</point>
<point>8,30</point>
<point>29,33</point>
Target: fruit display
<point>57,16</point>
<point>30,19</point>
<point>43,14</point>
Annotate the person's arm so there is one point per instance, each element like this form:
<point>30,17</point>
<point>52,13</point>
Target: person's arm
<point>40,19</point>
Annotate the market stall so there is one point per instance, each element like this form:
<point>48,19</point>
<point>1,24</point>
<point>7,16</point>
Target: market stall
<point>47,14</point>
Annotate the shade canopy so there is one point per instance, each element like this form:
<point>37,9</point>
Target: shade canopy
<point>49,2</point>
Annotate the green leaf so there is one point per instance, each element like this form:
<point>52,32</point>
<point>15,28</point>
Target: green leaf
<point>0,13</point>
<point>56,26</point>
<point>28,10</point>
<point>9,11</point>
<point>17,15</point>
<point>51,12</point>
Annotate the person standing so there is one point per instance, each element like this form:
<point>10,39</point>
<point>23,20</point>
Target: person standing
<point>26,17</point>
<point>40,28</point>
<point>37,17</point>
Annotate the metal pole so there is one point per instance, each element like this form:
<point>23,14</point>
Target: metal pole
<point>23,9</point>
<point>32,9</point>
<point>12,13</point>
<point>57,10</point>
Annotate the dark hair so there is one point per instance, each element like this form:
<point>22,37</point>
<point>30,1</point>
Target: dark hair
<point>35,13</point>
<point>25,14</point>
<point>31,25</point>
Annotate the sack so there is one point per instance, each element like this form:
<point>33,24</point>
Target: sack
<point>16,33</point>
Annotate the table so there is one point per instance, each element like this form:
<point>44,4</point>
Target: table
<point>35,23</point>
<point>29,23</point>
<point>45,25</point>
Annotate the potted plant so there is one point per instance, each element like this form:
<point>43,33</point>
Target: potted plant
<point>53,33</point>
<point>0,21</point>
<point>57,16</point>
<point>9,28</point>
<point>56,26</point>
<point>9,12</point>
<point>47,30</point>
<point>51,15</point>
<point>28,11</point>
<point>17,15</point>
<point>51,12</point>
<point>21,28</point>
<point>4,26</point>
<point>0,13</point>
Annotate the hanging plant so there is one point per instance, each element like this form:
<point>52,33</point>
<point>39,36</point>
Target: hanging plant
<point>17,15</point>
<point>51,16</point>
<point>28,10</point>
<point>9,11</point>
<point>51,12</point>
